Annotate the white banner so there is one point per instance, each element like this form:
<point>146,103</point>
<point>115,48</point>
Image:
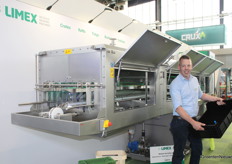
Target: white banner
<point>161,154</point>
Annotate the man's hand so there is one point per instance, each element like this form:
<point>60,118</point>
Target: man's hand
<point>208,97</point>
<point>198,125</point>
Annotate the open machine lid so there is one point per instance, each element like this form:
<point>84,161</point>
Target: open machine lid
<point>202,64</point>
<point>149,50</point>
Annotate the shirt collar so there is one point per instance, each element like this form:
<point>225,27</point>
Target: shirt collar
<point>183,78</point>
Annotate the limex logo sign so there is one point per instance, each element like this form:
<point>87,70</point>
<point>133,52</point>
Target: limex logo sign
<point>19,14</point>
<point>166,148</point>
<point>25,16</point>
<point>33,18</point>
<point>193,36</point>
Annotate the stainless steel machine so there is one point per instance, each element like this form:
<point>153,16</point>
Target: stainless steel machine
<point>100,88</point>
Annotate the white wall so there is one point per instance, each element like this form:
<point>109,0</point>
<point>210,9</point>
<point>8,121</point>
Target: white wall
<point>19,42</point>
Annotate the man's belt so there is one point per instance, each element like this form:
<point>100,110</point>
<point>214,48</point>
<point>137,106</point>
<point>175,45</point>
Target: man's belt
<point>180,118</point>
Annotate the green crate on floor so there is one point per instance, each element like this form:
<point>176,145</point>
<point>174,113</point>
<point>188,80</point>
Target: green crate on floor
<point>106,160</point>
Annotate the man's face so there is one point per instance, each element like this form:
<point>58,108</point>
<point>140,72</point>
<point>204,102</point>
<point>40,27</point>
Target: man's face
<point>185,67</point>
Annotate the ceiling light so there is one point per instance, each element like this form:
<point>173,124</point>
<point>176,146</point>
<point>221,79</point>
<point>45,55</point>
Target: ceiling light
<point>133,21</point>
<point>49,7</point>
<point>106,9</point>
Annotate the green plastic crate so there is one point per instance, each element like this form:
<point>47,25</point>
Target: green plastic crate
<point>105,160</point>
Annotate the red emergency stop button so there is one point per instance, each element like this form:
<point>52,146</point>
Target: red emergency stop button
<point>110,124</point>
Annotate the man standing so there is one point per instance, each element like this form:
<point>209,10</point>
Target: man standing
<point>185,92</point>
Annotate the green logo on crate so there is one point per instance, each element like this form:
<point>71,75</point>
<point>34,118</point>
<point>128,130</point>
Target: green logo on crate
<point>20,14</point>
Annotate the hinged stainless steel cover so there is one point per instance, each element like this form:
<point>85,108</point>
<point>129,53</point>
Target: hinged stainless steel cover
<point>150,49</point>
<point>202,64</point>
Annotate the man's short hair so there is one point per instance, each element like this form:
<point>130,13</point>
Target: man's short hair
<point>184,57</point>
